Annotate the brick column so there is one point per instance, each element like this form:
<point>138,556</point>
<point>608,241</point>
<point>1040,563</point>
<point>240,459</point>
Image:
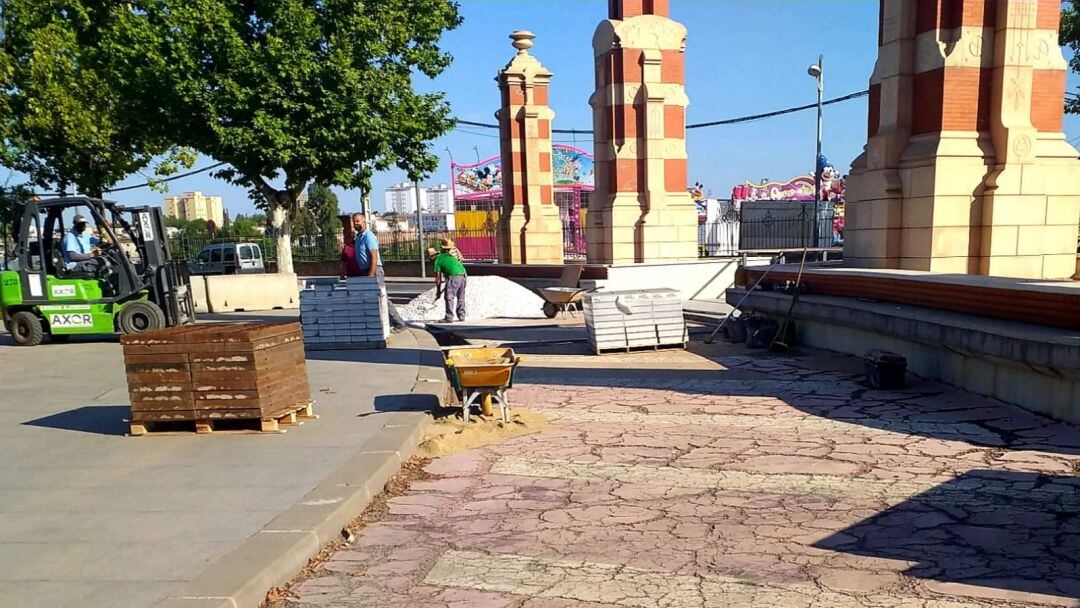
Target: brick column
<point>958,87</point>
<point>874,188</point>
<point>640,210</point>
<point>1031,206</point>
<point>530,229</point>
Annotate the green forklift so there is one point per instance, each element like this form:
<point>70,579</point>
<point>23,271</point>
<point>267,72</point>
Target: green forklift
<point>136,287</point>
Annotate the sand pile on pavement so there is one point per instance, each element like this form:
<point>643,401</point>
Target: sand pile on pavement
<point>450,435</point>
<point>485,298</point>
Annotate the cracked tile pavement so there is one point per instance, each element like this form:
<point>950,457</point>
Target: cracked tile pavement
<point>721,477</point>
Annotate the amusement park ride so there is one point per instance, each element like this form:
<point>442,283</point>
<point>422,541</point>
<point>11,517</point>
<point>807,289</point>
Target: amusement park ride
<point>478,194</point>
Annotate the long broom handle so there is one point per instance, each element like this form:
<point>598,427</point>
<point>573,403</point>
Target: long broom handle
<point>794,299</point>
<point>776,260</point>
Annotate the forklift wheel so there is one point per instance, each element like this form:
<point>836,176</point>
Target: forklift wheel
<point>26,329</point>
<point>140,316</point>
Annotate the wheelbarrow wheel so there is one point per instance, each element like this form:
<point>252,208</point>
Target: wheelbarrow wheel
<point>486,407</point>
<point>550,310</point>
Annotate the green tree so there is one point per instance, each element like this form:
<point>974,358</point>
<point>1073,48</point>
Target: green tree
<point>196,227</point>
<point>67,120</point>
<point>320,213</point>
<point>244,227</point>
<point>175,222</point>
<point>291,92</point>
<point>12,199</point>
<point>1070,36</point>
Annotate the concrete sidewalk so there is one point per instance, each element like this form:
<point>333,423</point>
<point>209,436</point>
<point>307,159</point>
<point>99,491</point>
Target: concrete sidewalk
<point>90,517</point>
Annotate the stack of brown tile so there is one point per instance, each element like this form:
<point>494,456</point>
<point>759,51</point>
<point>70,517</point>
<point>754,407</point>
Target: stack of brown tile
<point>208,373</point>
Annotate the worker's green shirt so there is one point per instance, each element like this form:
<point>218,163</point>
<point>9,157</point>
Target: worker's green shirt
<point>448,265</point>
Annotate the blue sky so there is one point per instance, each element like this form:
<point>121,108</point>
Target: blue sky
<point>743,57</point>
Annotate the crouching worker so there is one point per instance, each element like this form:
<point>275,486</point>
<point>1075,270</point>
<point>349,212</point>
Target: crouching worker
<point>449,268</point>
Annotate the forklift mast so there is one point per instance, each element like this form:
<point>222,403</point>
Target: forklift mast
<point>150,227</point>
<point>170,284</point>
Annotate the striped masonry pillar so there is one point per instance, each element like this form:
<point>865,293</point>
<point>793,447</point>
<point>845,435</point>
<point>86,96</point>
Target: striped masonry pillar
<point>966,169</point>
<point>640,210</point>
<point>1031,207</point>
<point>530,229</point>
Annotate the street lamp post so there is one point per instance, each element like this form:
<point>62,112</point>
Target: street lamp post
<point>420,230</point>
<point>817,71</point>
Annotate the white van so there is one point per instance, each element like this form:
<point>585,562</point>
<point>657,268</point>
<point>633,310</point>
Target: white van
<point>229,258</point>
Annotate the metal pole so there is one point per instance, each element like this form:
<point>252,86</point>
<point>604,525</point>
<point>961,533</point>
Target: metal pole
<point>817,159</point>
<point>420,230</point>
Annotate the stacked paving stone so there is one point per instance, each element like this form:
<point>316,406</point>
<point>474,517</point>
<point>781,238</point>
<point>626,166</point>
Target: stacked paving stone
<point>216,372</point>
<point>620,320</point>
<point>344,314</point>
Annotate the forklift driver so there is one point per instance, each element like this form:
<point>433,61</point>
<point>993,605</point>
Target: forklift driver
<point>80,252</point>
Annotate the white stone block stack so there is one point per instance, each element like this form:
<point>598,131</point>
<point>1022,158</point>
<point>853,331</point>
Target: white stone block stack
<point>621,320</point>
<point>344,314</point>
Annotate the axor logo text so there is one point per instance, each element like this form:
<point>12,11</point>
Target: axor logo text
<point>71,320</point>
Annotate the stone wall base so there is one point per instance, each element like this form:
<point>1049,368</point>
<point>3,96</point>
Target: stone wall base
<point>1034,367</point>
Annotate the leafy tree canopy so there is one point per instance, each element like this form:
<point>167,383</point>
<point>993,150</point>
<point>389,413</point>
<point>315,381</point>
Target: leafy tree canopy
<point>66,120</point>
<point>1070,37</point>
<point>290,92</point>
<point>244,226</point>
<point>320,213</point>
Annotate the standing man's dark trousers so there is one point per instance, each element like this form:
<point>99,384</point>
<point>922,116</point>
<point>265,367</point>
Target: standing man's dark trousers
<point>455,293</point>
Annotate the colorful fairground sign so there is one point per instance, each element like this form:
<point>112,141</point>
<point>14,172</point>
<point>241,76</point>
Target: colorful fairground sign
<point>571,166</point>
<point>800,189</point>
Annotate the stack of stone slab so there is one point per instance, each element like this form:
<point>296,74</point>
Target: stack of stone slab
<point>217,372</point>
<point>349,314</point>
<point>621,320</point>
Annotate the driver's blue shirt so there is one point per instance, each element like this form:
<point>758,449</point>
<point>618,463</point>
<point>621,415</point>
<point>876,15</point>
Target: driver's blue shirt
<point>78,243</point>
<point>365,243</point>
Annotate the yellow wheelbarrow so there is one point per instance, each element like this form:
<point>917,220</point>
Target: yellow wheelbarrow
<point>482,374</point>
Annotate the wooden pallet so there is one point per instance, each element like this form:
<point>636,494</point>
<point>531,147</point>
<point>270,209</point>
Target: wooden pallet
<point>640,349</point>
<point>291,416</point>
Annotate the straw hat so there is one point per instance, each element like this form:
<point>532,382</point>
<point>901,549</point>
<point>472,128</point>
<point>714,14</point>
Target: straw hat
<point>431,252</point>
<point>447,244</point>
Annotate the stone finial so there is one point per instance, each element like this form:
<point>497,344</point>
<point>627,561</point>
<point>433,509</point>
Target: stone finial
<point>523,41</point>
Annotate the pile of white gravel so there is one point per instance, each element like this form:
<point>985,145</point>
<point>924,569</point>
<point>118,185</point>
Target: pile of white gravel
<point>485,298</point>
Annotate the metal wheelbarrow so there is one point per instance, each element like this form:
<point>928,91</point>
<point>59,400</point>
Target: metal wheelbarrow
<point>566,297</point>
<point>482,374</point>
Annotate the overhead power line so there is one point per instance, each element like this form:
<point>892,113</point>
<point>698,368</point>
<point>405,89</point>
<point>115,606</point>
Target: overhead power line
<point>703,125</point>
<point>147,184</point>
<point>734,121</point>
<point>168,179</point>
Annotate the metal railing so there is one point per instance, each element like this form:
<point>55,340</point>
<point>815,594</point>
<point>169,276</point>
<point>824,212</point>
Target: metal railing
<point>475,245</point>
<point>734,233</point>
<point>725,236</point>
<point>573,243</point>
<point>771,233</point>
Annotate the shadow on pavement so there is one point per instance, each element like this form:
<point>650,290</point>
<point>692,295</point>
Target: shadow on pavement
<point>5,340</point>
<point>999,529</point>
<point>384,356</point>
<point>271,316</point>
<point>922,409</point>
<point>98,419</point>
<point>408,402</point>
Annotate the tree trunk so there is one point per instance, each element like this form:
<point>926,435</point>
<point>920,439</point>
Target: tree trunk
<point>283,231</point>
